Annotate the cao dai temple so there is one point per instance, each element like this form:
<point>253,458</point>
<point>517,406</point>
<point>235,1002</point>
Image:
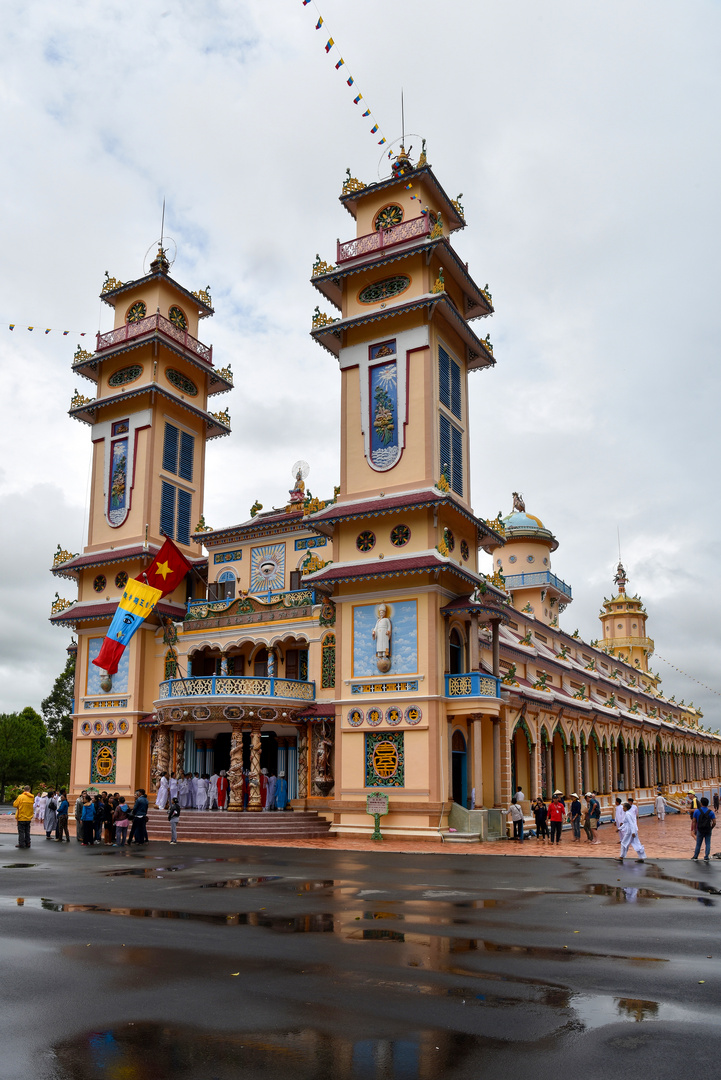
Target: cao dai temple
<point>352,643</point>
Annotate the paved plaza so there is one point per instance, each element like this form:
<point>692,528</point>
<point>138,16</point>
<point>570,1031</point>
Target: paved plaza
<point>208,961</point>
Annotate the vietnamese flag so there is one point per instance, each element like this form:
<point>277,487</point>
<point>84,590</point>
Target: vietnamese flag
<point>167,569</point>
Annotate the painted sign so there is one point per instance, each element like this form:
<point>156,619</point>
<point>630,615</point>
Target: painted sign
<point>377,804</point>
<point>403,639</point>
<point>103,758</point>
<point>384,759</point>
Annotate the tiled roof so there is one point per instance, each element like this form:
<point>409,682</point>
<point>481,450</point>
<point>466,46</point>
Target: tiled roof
<point>117,555</point>
<point>87,612</point>
<point>430,562</point>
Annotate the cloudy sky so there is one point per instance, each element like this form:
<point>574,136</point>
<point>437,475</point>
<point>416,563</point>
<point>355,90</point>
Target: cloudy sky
<point>585,141</point>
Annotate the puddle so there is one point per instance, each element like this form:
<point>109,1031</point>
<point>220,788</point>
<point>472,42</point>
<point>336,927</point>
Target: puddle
<point>300,924</point>
<point>240,883</point>
<point>18,865</point>
<point>630,895</point>
<point>175,1052</point>
<point>597,1010</point>
<point>151,872</point>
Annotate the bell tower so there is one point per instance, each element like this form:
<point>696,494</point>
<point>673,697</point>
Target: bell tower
<point>149,422</point>
<point>623,619</point>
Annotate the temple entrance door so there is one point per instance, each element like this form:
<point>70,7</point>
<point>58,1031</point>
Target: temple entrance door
<point>269,752</point>
<point>221,758</point>
<point>459,785</point>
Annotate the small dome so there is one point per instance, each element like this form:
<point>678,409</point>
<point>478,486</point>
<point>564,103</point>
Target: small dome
<point>519,520</point>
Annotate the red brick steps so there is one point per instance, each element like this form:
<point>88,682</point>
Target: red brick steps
<point>221,825</point>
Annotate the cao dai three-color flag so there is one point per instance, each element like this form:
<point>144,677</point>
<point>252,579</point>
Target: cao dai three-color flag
<point>164,574</point>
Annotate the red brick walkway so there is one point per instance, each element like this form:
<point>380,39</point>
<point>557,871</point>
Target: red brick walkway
<point>669,839</point>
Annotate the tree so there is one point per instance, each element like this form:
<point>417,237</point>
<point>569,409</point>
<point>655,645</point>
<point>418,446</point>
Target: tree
<point>22,747</point>
<point>56,764</point>
<point>58,706</point>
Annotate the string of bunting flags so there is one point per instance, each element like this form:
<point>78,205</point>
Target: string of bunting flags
<point>692,677</point>
<point>50,330</point>
<point>332,50</point>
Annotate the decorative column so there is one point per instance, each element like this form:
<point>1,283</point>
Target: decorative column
<point>303,762</point>
<point>449,757</point>
<point>235,772</point>
<point>179,752</point>
<point>154,771</point>
<point>534,771</point>
<point>585,776</point>
<point>496,760</point>
<point>495,646</point>
<point>475,722</point>
<point>254,802</point>
<point>474,652</point>
<point>549,770</point>
<point>568,769</point>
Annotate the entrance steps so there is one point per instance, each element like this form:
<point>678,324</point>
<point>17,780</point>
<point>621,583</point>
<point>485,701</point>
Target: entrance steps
<point>222,825</point>
<point>460,837</point>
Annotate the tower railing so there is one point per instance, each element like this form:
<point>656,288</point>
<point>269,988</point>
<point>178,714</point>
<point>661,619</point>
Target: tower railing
<point>540,577</point>
<point>383,238</point>
<point>237,686</point>
<point>131,330</point>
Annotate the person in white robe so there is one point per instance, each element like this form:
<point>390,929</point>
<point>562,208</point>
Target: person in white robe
<point>270,798</point>
<point>194,780</point>
<point>50,819</point>
<point>659,805</point>
<point>183,791</point>
<point>213,792</point>
<point>203,792</point>
<point>161,799</point>
<point>173,786</point>
<point>42,804</point>
<point>632,810</point>
<point>629,835</point>
<point>36,802</point>
<point>619,814</point>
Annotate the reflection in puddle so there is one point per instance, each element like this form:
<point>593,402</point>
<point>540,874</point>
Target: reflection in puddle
<point>302,924</point>
<point>630,895</point>
<point>240,883</point>
<point>151,872</point>
<point>597,1010</point>
<point>18,865</point>
<point>166,1052</point>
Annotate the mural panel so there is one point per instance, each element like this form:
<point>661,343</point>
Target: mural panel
<point>385,762</point>
<point>267,568</point>
<point>118,494</point>
<point>385,446</point>
<point>402,643</point>
<point>102,761</point>
<point>119,679</point>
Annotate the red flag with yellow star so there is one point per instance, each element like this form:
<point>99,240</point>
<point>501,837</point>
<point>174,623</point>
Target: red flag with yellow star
<point>167,569</point>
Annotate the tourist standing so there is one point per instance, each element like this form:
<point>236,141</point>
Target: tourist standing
<point>540,814</point>
<point>161,799</point>
<point>213,791</point>
<point>281,792</point>
<point>628,834</point>
<point>173,815</point>
<point>79,816</point>
<point>272,786</point>
<point>139,830</point>
<point>50,819</point>
<point>520,797</point>
<point>716,802</point>
<point>99,818</point>
<point>702,825</point>
<point>62,825</point>
<point>517,819</point>
<point>557,815</point>
<point>659,805</point>
<point>594,809</point>
<point>121,822</point>
<point>24,806</point>
<point>574,813</point>
<point>40,805</point>
<point>87,817</point>
<point>588,820</point>
<point>223,790</point>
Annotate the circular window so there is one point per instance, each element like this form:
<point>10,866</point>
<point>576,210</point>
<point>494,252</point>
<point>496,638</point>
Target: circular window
<point>619,626</point>
<point>511,558</point>
<point>450,539</point>
<point>366,541</point>
<point>181,382</point>
<point>136,312</point>
<point>545,562</point>
<point>125,375</point>
<point>121,580</point>
<point>383,290</point>
<point>100,583</point>
<point>634,625</point>
<point>177,318</point>
<point>400,535</point>
<point>388,217</point>
<point>530,558</point>
<point>465,552</point>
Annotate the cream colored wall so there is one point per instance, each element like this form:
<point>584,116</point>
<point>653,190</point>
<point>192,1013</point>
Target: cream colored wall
<point>522,549</point>
<point>81,774</point>
<point>101,535</point>
<point>414,268</point>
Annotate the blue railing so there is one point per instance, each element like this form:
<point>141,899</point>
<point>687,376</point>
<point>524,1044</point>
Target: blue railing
<point>289,598</point>
<point>541,577</point>
<point>473,684</point>
<point>238,686</point>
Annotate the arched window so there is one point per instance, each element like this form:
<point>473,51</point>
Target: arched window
<point>456,653</point>
<point>260,663</point>
<point>223,588</point>
<point>327,681</point>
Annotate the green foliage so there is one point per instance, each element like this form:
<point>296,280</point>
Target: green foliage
<point>58,706</point>
<point>22,748</point>
<point>56,763</point>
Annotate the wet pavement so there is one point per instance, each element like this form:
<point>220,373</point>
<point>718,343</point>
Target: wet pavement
<point>211,962</point>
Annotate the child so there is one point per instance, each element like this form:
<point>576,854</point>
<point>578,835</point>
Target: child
<point>173,815</point>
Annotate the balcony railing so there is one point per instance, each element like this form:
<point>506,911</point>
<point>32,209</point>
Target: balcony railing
<point>131,330</point>
<point>290,598</point>
<point>541,577</point>
<point>473,684</point>
<point>237,686</point>
<point>383,238</point>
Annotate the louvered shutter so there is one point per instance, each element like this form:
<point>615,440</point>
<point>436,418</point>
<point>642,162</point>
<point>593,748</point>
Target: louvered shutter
<point>187,449</point>
<point>445,447</point>
<point>167,509</point>
<point>170,448</point>
<point>184,504</point>
<point>444,377</point>
<point>455,405</point>
<point>457,453</point>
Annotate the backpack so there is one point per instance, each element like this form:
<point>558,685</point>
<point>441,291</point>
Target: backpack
<point>704,821</point>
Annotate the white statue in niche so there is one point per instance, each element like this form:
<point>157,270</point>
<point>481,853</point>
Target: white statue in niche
<point>381,633</point>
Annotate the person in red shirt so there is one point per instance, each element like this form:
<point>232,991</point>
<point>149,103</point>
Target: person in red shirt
<point>223,790</point>
<point>557,815</point>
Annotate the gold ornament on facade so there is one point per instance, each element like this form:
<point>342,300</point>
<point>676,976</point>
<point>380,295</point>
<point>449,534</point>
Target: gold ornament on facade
<point>509,679</point>
<point>351,184</point>
<point>526,639</point>
<point>61,556</point>
<point>459,206</point>
<point>437,230</point>
<point>488,295</point>
<point>422,160</point>
<point>79,399</point>
<point>486,342</point>
<point>497,579</point>
<point>442,548</point>
<point>439,285</point>
<point>321,319</point>
<point>59,605</point>
<point>110,284</point>
<point>541,680</point>
<point>204,296</point>
<point>442,483</point>
<point>201,526</point>
<point>580,694</point>
<point>321,267</point>
<point>81,355</point>
<point>226,373</point>
<point>312,505</point>
<point>312,563</point>
<point>496,525</point>
<point>222,417</point>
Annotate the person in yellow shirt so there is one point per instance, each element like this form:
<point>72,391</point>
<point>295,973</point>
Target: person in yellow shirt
<point>24,805</point>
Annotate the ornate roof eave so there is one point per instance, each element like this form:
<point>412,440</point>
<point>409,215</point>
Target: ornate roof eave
<point>477,352</point>
<point>110,295</point>
<point>248,530</point>
<point>375,569</point>
<point>71,568</point>
<point>103,612</point>
<point>154,335</point>
<point>466,605</point>
<point>84,412</point>
<point>458,269</point>
<point>448,209</point>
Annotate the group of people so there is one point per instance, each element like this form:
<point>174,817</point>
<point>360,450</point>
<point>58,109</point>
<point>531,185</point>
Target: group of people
<point>204,791</point>
<point>551,818</point>
<point>51,810</point>
<point>109,819</point>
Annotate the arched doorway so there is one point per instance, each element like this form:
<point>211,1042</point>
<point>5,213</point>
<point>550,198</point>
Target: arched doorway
<point>621,778</point>
<point>456,663</point>
<point>558,780</point>
<point>521,759</point>
<point>641,764</point>
<point>459,772</point>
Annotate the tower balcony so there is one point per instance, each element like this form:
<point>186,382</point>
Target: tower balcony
<point>147,328</point>
<point>236,690</point>
<point>371,243</point>
<point>645,643</point>
<point>473,684</point>
<point>539,580</point>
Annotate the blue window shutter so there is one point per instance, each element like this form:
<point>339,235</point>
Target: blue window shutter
<point>455,405</point>
<point>445,447</point>
<point>444,377</point>
<point>167,509</point>
<point>170,449</point>
<point>457,452</point>
<point>184,504</point>
<point>187,449</point>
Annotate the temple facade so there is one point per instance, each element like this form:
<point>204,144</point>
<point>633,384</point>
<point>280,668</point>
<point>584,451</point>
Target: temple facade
<point>355,643</point>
